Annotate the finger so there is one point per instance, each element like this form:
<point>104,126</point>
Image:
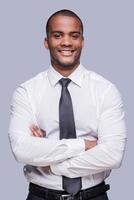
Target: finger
<point>33,128</point>
<point>35,134</point>
<point>39,132</point>
<point>94,143</point>
<point>34,131</point>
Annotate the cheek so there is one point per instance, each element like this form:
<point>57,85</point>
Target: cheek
<point>53,43</point>
<point>79,45</point>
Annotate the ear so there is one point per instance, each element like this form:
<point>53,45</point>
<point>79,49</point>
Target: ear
<point>46,43</point>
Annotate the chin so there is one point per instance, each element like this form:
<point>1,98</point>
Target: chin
<point>68,65</point>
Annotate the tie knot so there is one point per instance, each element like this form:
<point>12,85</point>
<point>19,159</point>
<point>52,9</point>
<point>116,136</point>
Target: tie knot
<point>64,82</point>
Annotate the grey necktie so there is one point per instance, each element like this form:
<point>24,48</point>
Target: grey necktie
<point>67,130</point>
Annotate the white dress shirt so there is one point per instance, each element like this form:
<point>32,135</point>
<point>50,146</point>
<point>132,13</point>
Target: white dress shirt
<point>98,113</point>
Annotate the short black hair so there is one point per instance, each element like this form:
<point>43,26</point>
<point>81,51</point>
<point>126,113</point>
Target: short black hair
<point>63,12</point>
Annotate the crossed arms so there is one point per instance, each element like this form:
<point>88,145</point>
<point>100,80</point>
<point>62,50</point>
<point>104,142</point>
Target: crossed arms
<point>68,157</point>
<point>37,132</point>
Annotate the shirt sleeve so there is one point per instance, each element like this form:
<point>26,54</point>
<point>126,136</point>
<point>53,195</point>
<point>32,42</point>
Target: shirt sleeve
<point>108,153</point>
<point>32,150</point>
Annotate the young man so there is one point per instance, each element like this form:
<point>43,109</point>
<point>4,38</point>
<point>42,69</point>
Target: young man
<point>67,123</point>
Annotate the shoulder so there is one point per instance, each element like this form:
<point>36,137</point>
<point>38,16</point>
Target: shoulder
<point>97,81</point>
<point>31,86</point>
<point>101,86</point>
<point>35,81</point>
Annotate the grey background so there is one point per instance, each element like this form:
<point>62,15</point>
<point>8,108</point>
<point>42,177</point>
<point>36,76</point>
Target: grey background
<point>109,47</point>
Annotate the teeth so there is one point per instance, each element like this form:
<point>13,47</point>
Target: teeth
<point>67,52</point>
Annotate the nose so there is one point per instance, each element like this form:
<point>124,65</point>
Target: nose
<point>66,41</point>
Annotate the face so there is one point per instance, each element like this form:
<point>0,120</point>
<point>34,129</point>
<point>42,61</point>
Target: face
<point>65,42</point>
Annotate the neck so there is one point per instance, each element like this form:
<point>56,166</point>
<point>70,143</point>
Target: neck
<point>65,71</point>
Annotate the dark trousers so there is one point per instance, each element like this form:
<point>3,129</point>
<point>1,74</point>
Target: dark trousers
<point>33,197</point>
<point>97,192</point>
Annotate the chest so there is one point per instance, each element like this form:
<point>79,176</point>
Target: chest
<point>85,108</point>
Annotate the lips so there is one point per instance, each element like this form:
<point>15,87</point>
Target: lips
<point>66,52</point>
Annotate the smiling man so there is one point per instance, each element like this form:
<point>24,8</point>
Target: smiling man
<point>67,123</point>
<point>65,41</point>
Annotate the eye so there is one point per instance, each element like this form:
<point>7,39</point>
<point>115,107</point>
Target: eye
<point>57,35</point>
<point>75,36</point>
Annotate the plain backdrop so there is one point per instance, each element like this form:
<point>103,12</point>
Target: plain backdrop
<point>109,50</point>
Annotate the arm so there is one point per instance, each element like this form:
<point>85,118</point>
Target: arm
<point>32,150</point>
<point>109,152</point>
<point>37,132</point>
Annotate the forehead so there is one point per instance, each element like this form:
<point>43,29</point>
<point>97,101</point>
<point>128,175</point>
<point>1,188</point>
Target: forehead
<point>64,23</point>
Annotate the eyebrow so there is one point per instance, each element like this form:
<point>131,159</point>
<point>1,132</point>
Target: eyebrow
<point>72,32</point>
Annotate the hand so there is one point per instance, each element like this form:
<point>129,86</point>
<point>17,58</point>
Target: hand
<point>37,132</point>
<point>89,144</point>
<point>47,169</point>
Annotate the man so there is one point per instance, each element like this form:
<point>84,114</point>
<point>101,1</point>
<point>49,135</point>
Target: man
<point>67,123</point>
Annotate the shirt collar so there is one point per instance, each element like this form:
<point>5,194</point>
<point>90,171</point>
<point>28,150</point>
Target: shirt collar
<point>76,76</point>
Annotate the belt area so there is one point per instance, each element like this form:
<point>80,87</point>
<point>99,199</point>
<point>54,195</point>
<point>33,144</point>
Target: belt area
<point>86,194</point>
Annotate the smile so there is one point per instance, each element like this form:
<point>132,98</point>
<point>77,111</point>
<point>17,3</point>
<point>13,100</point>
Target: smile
<point>66,52</point>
